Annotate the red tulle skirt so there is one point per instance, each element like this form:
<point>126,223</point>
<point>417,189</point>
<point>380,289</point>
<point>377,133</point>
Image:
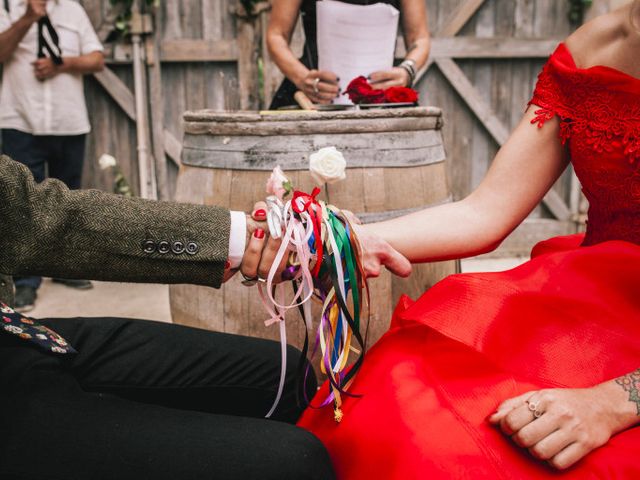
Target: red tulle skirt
<point>570,317</point>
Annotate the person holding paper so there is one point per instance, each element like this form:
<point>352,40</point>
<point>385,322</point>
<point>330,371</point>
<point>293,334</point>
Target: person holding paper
<point>324,86</point>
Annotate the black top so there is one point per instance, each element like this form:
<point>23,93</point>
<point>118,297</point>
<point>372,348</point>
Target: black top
<point>284,95</point>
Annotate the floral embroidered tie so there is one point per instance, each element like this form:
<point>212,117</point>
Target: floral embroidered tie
<point>28,329</point>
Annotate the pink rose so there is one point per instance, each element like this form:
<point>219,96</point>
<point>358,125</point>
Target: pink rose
<point>278,184</point>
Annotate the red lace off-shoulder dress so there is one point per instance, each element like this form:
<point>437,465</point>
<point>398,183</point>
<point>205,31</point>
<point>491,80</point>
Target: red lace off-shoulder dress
<point>570,317</point>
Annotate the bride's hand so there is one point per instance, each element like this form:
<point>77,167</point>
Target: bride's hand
<point>262,249</point>
<point>376,252</point>
<point>563,425</point>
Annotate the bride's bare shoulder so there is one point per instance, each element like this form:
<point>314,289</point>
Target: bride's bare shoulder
<point>591,42</point>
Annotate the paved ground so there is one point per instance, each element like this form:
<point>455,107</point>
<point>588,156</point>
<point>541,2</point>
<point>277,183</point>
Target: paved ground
<point>131,300</point>
<point>151,302</point>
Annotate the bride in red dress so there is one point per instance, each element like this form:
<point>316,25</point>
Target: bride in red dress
<point>523,373</point>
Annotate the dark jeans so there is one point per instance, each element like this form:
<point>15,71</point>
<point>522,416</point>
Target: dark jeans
<point>147,400</point>
<point>63,155</point>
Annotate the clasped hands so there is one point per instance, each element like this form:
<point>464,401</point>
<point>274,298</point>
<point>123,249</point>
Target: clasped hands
<point>261,250</point>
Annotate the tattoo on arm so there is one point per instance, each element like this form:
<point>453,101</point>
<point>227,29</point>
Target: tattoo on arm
<point>412,47</point>
<point>631,383</point>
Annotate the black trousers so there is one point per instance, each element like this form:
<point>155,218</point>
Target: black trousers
<point>147,400</point>
<point>63,156</point>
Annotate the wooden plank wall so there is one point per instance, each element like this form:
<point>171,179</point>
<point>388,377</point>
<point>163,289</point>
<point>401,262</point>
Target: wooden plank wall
<point>186,85</point>
<point>506,83</point>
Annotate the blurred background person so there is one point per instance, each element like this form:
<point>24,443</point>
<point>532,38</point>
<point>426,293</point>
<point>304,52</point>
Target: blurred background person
<point>322,86</point>
<point>46,46</point>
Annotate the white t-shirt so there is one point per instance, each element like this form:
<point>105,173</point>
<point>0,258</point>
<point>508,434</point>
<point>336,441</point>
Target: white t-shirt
<point>55,106</point>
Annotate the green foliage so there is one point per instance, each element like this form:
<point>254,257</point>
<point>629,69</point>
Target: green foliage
<point>248,5</point>
<point>124,12</point>
<point>577,9</point>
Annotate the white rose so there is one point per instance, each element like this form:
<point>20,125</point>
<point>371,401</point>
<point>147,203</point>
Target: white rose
<point>106,161</point>
<point>327,165</point>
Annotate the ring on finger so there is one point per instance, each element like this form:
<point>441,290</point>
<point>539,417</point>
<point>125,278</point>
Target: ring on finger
<point>249,281</point>
<point>315,86</point>
<point>533,408</point>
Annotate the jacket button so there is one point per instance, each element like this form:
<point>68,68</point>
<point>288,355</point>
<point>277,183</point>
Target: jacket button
<point>192,248</point>
<point>148,246</point>
<point>164,247</point>
<point>178,247</point>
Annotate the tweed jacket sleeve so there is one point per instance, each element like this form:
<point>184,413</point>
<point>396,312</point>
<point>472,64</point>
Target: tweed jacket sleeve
<point>46,229</point>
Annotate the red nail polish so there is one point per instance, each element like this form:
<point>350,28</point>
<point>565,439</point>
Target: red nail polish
<point>259,233</point>
<point>227,265</point>
<point>260,213</point>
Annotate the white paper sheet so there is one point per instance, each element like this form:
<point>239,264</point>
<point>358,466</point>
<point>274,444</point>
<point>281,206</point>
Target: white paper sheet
<point>355,40</point>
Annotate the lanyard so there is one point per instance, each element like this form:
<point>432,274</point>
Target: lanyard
<point>51,44</point>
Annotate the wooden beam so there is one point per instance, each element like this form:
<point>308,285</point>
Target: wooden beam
<point>474,99</point>
<point>188,50</point>
<point>494,47</point>
<point>121,94</point>
<point>118,90</point>
<point>156,114</point>
<point>182,50</point>
<point>173,147</point>
<point>459,17</point>
<point>247,63</point>
<point>451,27</point>
<point>557,206</point>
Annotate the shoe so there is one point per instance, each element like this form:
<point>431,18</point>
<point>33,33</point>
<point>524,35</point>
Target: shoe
<point>77,284</point>
<point>25,298</point>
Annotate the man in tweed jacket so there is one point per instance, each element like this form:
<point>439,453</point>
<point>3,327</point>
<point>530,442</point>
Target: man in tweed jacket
<point>140,399</point>
<point>48,230</point>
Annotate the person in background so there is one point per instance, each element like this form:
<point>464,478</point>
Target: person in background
<point>302,74</point>
<point>46,46</point>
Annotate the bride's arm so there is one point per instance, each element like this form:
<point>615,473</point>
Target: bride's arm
<point>523,171</point>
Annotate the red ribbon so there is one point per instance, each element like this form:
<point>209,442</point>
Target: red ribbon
<point>310,205</point>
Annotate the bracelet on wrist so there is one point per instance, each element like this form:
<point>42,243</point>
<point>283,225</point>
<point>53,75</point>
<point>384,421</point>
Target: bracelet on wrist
<point>409,66</point>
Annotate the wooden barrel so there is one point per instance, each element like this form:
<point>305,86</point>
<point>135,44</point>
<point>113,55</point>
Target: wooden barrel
<point>396,165</point>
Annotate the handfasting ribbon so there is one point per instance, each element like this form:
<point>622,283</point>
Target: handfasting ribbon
<point>303,202</point>
<point>310,230</point>
<point>295,237</point>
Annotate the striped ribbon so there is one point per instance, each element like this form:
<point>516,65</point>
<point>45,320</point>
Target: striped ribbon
<point>323,250</point>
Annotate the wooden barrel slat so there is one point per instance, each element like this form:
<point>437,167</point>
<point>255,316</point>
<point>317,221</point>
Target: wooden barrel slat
<point>304,143</point>
<point>392,170</point>
<point>308,127</point>
<point>217,117</point>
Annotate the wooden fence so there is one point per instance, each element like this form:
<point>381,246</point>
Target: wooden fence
<point>206,54</point>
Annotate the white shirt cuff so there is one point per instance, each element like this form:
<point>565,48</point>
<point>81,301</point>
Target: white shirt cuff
<point>237,238</point>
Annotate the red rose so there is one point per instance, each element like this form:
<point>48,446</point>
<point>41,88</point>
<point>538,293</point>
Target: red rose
<point>360,91</point>
<point>401,95</point>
